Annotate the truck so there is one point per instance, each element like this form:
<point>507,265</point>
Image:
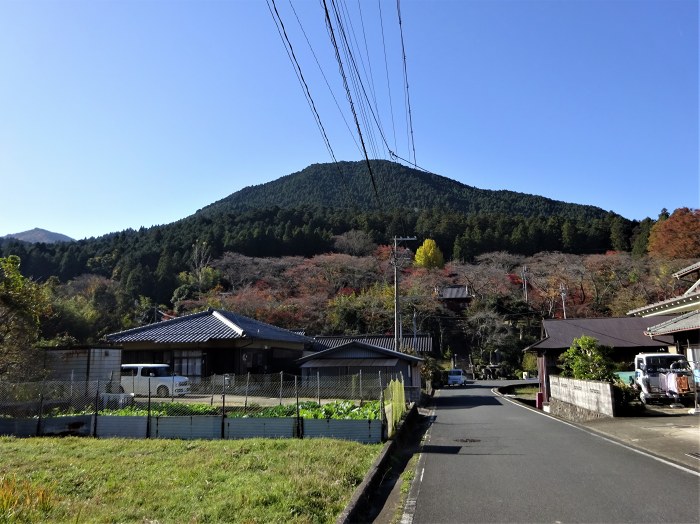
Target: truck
<point>664,378</point>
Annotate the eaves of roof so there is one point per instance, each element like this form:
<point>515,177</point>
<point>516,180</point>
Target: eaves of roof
<point>350,362</point>
<point>421,343</point>
<point>373,349</point>
<point>676,305</point>
<point>687,322</point>
<point>687,270</point>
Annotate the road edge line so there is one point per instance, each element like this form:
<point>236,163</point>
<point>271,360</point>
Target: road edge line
<point>601,435</point>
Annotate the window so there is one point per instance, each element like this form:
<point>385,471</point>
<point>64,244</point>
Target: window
<point>188,363</point>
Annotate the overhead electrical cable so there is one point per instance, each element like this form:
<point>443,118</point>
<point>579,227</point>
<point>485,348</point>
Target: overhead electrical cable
<point>412,144</point>
<point>362,93</point>
<point>366,63</point>
<point>386,69</point>
<point>325,79</point>
<point>334,42</point>
<point>369,61</point>
<point>343,19</point>
<point>297,68</point>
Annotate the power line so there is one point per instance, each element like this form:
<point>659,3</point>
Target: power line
<point>386,69</point>
<point>405,77</point>
<point>329,26</point>
<point>324,77</point>
<point>355,76</point>
<point>297,68</point>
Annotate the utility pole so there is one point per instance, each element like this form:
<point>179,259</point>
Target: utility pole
<point>524,273</point>
<point>562,290</point>
<point>395,262</point>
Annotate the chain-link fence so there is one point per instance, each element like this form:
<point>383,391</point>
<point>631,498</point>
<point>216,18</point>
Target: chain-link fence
<point>280,395</point>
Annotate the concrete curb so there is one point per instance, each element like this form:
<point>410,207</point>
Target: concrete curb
<point>361,497</point>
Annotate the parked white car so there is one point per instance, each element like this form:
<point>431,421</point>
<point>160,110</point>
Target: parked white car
<point>456,377</point>
<point>139,378</point>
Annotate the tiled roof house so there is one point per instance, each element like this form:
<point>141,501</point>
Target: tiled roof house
<point>685,326</point>
<point>213,342</point>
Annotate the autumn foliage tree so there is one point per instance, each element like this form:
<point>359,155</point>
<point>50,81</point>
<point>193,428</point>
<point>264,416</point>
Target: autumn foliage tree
<point>429,255</point>
<point>678,236</point>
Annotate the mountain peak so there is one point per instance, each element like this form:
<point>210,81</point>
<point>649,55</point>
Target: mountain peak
<point>37,235</point>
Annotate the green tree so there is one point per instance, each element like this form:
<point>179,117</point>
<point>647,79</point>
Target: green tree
<point>429,255</point>
<point>22,303</point>
<point>640,237</point>
<point>588,360</point>
<point>529,363</point>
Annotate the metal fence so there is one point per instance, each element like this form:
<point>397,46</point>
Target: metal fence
<point>225,396</point>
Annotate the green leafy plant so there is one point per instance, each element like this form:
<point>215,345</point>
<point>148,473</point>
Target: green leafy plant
<point>588,360</point>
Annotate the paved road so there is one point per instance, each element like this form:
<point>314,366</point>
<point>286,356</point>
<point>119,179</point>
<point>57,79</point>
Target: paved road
<point>489,460</point>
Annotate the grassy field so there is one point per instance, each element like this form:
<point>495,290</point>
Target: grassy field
<point>161,481</point>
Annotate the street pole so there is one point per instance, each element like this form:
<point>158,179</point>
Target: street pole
<point>562,290</point>
<point>395,261</point>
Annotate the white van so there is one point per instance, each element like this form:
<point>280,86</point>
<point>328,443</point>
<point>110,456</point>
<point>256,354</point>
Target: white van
<point>456,377</point>
<point>136,377</point>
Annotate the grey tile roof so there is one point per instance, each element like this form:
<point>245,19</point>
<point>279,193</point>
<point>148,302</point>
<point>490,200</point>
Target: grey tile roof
<point>423,342</point>
<point>686,322</point>
<point>365,350</point>
<point>624,332</point>
<point>204,327</point>
<point>454,292</point>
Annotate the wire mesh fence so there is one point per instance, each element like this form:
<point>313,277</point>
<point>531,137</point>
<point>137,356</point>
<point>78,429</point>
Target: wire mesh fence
<point>273,395</point>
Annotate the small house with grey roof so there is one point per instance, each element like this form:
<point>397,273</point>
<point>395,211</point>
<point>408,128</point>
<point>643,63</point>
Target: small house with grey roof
<point>213,342</point>
<point>625,336</point>
<point>355,357</point>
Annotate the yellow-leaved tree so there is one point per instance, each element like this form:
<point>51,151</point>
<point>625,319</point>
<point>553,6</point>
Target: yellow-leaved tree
<point>429,255</point>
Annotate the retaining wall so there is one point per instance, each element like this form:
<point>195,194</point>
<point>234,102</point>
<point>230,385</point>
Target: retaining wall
<point>194,427</point>
<point>580,400</point>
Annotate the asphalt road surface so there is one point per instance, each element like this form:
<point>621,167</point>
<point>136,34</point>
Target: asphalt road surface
<point>489,460</point>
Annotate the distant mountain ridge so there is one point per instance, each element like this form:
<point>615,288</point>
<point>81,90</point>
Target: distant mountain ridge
<point>347,185</point>
<point>37,235</point>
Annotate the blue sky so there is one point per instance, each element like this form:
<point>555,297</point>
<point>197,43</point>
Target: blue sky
<point>122,114</point>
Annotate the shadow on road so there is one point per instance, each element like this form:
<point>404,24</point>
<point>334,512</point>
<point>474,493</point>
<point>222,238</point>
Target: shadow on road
<point>465,399</point>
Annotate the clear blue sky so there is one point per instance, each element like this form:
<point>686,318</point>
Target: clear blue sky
<point>122,114</point>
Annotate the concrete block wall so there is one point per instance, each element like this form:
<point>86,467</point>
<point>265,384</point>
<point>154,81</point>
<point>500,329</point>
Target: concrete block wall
<point>585,395</point>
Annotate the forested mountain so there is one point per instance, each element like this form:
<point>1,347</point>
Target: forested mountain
<point>312,251</point>
<point>37,235</point>
<point>348,185</point>
<point>330,208</point>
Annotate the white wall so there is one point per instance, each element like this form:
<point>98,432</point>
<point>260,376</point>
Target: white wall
<point>587,394</point>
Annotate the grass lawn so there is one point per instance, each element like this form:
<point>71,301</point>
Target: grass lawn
<point>527,392</point>
<point>147,481</point>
